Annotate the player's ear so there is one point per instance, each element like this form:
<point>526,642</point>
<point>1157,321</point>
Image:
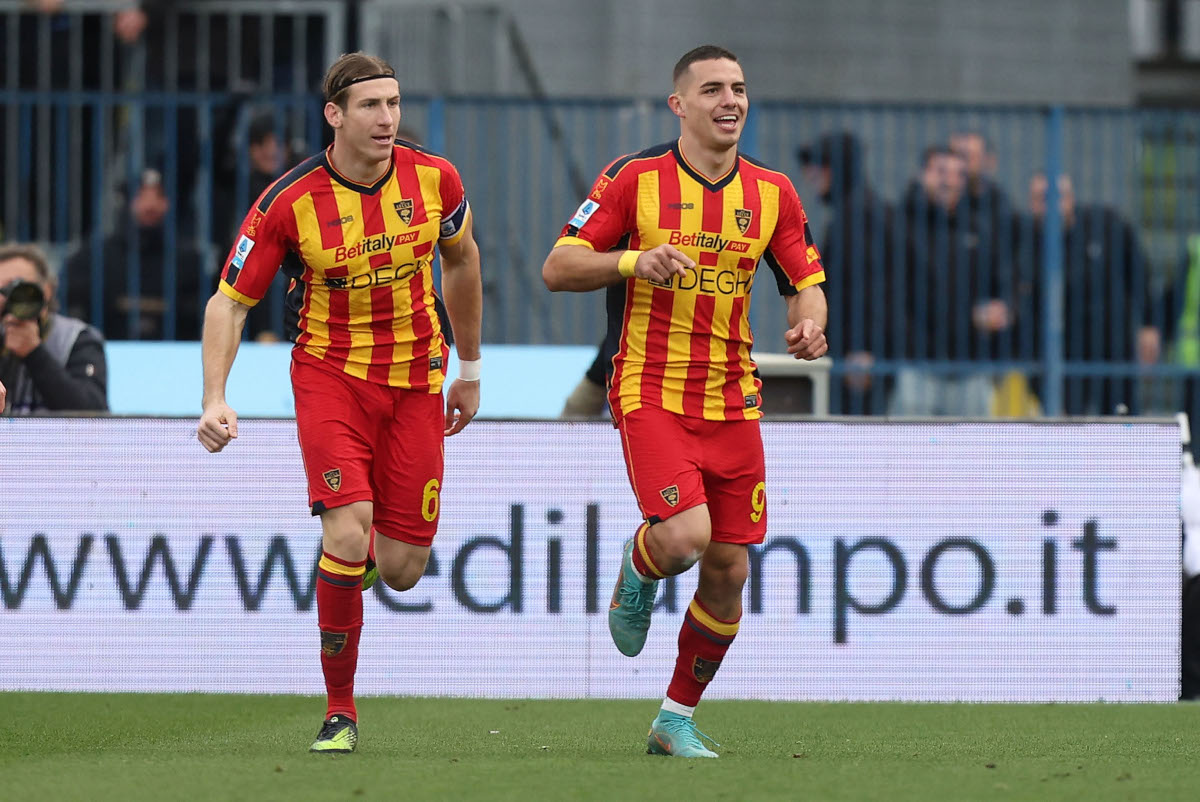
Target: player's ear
<point>675,103</point>
<point>333,115</point>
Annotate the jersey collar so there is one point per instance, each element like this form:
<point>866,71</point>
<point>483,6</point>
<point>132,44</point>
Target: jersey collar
<point>366,189</point>
<point>704,181</point>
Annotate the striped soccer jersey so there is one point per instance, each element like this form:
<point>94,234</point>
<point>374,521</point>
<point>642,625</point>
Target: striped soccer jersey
<point>359,258</point>
<point>685,345</point>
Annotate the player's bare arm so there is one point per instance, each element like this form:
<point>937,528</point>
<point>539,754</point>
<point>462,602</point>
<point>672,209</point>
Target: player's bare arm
<point>807,316</point>
<point>223,321</point>
<point>577,268</point>
<point>462,287</point>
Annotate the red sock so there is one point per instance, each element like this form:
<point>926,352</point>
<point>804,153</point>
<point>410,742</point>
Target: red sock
<point>643,561</point>
<point>339,615</point>
<point>703,641</point>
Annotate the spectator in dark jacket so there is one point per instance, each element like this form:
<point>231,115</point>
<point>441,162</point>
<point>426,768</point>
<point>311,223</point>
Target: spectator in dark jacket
<point>1107,296</point>
<point>857,251</point>
<point>139,249</point>
<point>956,295</point>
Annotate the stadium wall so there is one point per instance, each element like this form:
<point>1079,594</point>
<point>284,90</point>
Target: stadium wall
<point>912,561</point>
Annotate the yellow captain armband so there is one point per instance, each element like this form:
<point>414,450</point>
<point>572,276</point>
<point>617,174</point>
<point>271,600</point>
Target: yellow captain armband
<point>626,264</point>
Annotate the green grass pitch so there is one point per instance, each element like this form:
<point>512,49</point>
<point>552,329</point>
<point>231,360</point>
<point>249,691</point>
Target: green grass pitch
<point>133,747</point>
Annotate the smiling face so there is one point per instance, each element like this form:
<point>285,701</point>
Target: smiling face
<point>711,103</point>
<point>365,129</point>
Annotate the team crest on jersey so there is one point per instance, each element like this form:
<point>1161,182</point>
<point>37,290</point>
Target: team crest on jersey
<point>333,479</point>
<point>404,208</point>
<point>743,217</point>
<point>670,494</point>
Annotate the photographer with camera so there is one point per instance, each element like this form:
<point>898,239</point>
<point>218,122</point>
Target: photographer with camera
<point>48,362</point>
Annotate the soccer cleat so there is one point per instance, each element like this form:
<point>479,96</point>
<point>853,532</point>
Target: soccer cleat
<point>339,735</point>
<point>632,603</point>
<point>370,574</point>
<point>676,736</point>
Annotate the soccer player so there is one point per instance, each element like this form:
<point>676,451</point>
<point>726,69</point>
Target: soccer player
<point>354,228</point>
<point>676,233</point>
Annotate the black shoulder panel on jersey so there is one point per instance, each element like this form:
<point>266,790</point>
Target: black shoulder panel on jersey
<point>781,277</point>
<point>757,163</point>
<point>648,153</point>
<point>290,177</point>
<point>404,143</point>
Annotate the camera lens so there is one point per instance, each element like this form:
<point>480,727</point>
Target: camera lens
<point>25,300</point>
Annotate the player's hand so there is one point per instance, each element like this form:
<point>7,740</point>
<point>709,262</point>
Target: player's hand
<point>218,425</point>
<point>462,402</point>
<point>661,263</point>
<point>806,340</point>
<point>3,396</point>
<point>21,337</point>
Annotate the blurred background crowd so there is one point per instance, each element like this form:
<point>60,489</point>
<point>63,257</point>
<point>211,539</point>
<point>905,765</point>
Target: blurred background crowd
<point>1006,199</point>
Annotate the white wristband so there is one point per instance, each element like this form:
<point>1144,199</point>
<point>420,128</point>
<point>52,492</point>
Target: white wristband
<point>468,370</point>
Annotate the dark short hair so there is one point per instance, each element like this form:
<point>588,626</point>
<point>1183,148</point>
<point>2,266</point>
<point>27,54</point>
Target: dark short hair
<point>30,253</point>
<point>262,127</point>
<point>701,53</point>
<point>349,69</point>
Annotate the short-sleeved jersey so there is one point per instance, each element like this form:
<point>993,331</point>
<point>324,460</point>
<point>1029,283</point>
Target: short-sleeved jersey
<point>359,259</point>
<point>685,345</point>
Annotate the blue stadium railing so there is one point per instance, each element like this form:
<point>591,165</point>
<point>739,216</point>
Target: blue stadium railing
<point>70,149</point>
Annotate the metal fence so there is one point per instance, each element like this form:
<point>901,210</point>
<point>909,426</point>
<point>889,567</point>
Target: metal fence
<point>84,114</point>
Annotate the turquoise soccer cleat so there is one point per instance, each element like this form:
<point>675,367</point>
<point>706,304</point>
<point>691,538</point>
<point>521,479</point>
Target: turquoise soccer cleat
<point>676,736</point>
<point>632,603</point>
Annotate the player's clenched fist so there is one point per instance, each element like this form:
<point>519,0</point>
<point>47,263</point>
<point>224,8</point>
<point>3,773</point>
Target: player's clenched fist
<point>661,263</point>
<point>806,340</point>
<point>218,425</point>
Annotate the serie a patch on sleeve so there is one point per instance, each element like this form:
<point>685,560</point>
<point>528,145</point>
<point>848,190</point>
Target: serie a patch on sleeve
<point>584,213</point>
<point>244,246</point>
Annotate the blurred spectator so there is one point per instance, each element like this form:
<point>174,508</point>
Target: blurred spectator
<point>856,249</point>
<point>957,302</point>
<point>1107,297</point>
<point>49,362</point>
<point>263,159</point>
<point>140,244</point>
<point>984,196</point>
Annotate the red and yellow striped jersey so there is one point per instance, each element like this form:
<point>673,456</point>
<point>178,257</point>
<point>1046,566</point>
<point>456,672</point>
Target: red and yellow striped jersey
<point>685,345</point>
<point>359,258</point>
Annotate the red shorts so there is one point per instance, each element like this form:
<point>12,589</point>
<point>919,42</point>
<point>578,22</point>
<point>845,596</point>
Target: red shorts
<point>676,462</point>
<point>363,441</point>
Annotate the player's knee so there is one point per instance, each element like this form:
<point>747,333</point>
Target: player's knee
<point>734,576</point>
<point>683,540</point>
<point>724,577</point>
<point>349,543</point>
<point>404,578</point>
<point>402,575</point>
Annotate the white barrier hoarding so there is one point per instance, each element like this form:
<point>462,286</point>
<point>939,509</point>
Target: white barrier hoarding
<point>970,561</point>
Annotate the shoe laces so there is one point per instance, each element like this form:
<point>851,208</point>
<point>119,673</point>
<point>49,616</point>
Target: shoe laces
<point>637,596</point>
<point>686,729</point>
